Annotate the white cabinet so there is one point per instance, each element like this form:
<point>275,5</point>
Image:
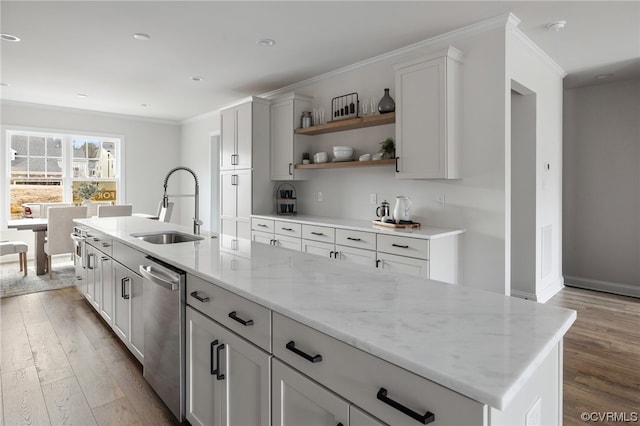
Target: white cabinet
<point>105,290</point>
<point>227,381</point>
<point>428,116</point>
<point>244,166</point>
<point>127,309</point>
<point>277,233</point>
<point>355,255</point>
<point>403,255</point>
<point>297,400</point>
<point>403,265</point>
<point>287,147</point>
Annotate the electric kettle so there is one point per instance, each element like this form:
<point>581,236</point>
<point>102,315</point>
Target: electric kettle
<point>383,212</point>
<point>401,210</point>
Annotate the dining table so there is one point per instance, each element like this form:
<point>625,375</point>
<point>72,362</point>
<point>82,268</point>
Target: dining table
<point>39,228</point>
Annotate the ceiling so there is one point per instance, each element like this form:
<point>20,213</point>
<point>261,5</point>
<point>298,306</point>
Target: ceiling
<point>87,47</point>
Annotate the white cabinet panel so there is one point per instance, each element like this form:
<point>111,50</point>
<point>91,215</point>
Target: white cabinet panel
<point>298,400</point>
<point>356,255</point>
<point>106,288</point>
<point>318,248</point>
<point>287,148</point>
<point>403,265</point>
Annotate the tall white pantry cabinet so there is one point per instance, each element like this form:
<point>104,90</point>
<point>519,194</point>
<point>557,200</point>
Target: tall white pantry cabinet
<point>244,166</point>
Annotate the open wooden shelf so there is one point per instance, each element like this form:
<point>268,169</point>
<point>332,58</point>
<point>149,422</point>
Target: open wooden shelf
<point>345,164</point>
<point>348,124</point>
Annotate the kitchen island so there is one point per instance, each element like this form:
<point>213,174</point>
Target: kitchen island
<point>503,354</point>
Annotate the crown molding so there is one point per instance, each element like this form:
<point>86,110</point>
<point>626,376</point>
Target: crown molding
<point>516,32</point>
<point>499,21</point>
<point>45,107</point>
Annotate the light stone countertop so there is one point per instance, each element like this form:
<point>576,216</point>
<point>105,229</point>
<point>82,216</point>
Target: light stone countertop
<point>424,232</point>
<point>480,344</point>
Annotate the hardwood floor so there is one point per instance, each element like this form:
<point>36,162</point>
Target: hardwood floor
<point>601,355</point>
<point>61,364</point>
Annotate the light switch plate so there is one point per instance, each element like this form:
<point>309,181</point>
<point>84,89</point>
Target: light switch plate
<point>319,196</point>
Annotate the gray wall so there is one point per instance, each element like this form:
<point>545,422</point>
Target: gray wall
<point>602,187</point>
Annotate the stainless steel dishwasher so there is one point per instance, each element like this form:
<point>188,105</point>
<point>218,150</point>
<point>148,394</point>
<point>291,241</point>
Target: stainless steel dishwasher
<point>164,341</point>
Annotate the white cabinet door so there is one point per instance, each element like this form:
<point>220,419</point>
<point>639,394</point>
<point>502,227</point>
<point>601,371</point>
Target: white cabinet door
<point>243,187</point>
<point>356,255</point>
<point>262,237</point>
<point>357,417</point>
<point>227,377</point>
<point>228,194</point>
<point>127,309</point>
<point>235,203</point>
<point>319,248</point>
<point>244,135</point>
<point>297,400</point>
<point>92,261</point>
<point>428,105</point>
<point>122,295</point>
<point>228,139</point>
<point>403,265</point>
<point>106,288</point>
<point>291,243</point>
<point>286,147</point>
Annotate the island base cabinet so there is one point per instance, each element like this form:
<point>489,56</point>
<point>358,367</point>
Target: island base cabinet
<point>227,380</point>
<point>298,400</point>
<point>128,322</point>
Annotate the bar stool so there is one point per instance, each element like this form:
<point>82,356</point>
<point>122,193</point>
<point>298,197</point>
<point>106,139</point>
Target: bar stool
<point>13,247</point>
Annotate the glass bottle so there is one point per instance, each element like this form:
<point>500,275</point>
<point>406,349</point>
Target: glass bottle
<point>386,104</point>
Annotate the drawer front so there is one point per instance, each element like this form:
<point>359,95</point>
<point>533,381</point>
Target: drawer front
<point>129,257</point>
<point>358,239</point>
<point>240,315</point>
<point>100,241</point>
<point>359,377</point>
<point>288,228</point>
<point>262,237</point>
<point>264,225</point>
<point>403,265</point>
<point>403,246</point>
<point>356,255</point>
<point>318,233</point>
<point>291,243</point>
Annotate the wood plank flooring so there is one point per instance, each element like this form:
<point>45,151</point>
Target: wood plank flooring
<point>601,355</point>
<point>61,364</point>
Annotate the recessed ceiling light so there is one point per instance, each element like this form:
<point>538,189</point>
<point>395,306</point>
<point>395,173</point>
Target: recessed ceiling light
<point>82,95</point>
<point>265,42</point>
<point>9,37</point>
<point>196,78</point>
<point>141,36</point>
<point>602,76</point>
<point>556,26</point>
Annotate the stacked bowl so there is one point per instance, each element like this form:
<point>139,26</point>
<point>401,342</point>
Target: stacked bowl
<point>342,153</point>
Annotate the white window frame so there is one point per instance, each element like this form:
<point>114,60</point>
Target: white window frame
<point>67,162</point>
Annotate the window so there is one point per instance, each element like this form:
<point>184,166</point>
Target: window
<point>48,168</point>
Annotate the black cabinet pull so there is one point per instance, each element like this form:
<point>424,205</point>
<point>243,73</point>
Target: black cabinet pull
<point>397,171</point>
<point>335,254</point>
<point>218,373</point>
<point>262,225</point>
<point>292,347</point>
<point>331,253</point>
<point>196,296</point>
<point>316,233</point>
<point>425,419</point>
<point>234,316</point>
<point>354,239</point>
<point>287,229</point>
<point>378,263</point>
<point>398,245</point>
<point>213,344</point>
<point>290,171</point>
<point>122,287</point>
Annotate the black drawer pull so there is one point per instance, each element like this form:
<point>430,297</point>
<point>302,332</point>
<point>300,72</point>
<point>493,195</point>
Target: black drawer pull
<point>425,419</point>
<point>292,347</point>
<point>218,373</point>
<point>233,315</point>
<point>354,239</point>
<point>211,346</point>
<point>398,245</point>
<point>196,296</point>
<point>262,225</point>
<point>317,233</point>
<point>287,229</point>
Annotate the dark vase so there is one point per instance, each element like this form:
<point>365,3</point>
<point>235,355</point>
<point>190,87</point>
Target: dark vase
<point>386,104</point>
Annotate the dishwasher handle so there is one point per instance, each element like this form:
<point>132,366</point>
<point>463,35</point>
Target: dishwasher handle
<point>166,279</point>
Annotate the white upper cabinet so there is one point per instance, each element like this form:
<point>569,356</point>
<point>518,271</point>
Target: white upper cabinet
<point>428,116</point>
<point>286,147</point>
<point>239,125</point>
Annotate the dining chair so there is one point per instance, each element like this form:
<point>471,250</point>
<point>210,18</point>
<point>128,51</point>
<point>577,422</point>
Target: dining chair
<point>92,206</point>
<point>113,211</point>
<point>13,247</point>
<point>59,229</point>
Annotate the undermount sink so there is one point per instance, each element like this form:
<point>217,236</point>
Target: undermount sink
<point>167,237</point>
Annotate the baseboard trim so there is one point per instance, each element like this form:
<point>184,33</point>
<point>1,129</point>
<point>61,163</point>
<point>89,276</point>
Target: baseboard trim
<point>543,296</point>
<point>605,286</point>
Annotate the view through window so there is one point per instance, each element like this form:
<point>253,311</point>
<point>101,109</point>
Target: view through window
<point>60,169</point>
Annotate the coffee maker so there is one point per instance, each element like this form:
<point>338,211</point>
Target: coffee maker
<point>383,211</point>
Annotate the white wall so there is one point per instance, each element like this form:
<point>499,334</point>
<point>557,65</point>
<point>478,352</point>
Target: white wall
<point>151,148</point>
<point>475,202</point>
<point>531,68</point>
<point>602,187</point>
